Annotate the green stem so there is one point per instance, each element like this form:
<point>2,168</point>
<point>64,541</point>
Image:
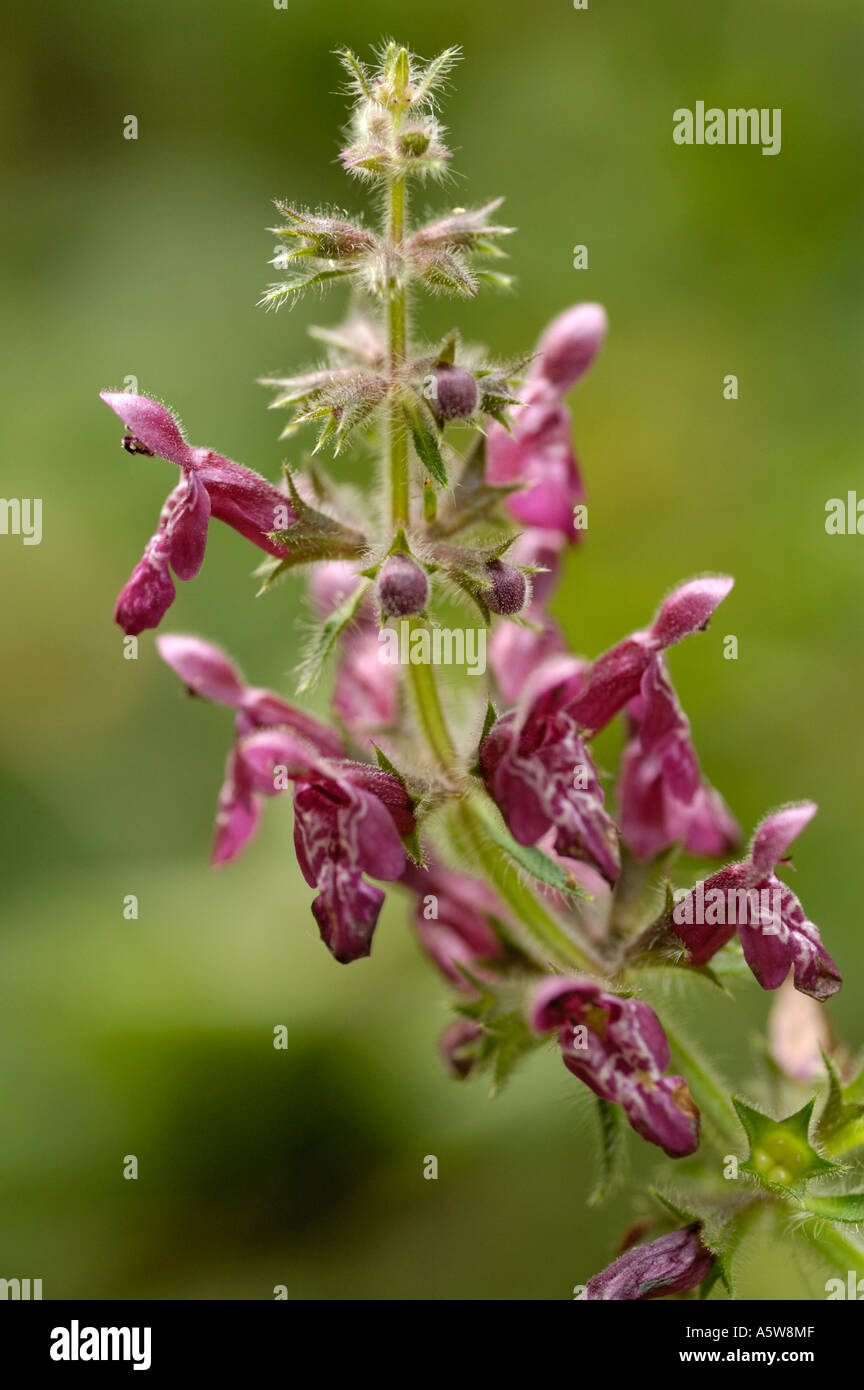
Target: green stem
<point>545,940</point>
<point>429,712</point>
<point>546,936</point>
<point>707,1089</point>
<point>397,439</point>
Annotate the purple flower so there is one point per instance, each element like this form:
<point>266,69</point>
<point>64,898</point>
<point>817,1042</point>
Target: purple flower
<point>618,1048</point>
<point>210,485</point>
<point>348,818</point>
<point>539,772</point>
<point>673,1264</point>
<point>515,652</point>
<point>594,911</point>
<point>775,934</point>
<point>662,796</point>
<point>454,915</point>
<point>207,672</point>
<point>539,452</point>
<point>615,677</point>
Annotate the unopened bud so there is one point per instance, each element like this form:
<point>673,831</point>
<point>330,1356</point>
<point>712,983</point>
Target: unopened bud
<point>570,344</point>
<point>508,593</point>
<point>403,588</point>
<point>414,140</point>
<point>455,394</point>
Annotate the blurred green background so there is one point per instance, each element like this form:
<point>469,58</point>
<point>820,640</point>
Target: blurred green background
<point>154,1037</point>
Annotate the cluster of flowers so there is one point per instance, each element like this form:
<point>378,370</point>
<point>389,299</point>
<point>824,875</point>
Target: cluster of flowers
<point>367,805</point>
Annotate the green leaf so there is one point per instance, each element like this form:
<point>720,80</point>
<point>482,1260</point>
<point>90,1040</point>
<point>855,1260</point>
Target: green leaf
<point>425,441</point>
<point>498,1008</point>
<point>841,1123</point>
<point>326,636</point>
<point>313,536</point>
<point>277,295</point>
<point>489,719</point>
<point>357,72</point>
<point>531,859</point>
<point>411,842</point>
<point>846,1206</point>
<point>611,1149</point>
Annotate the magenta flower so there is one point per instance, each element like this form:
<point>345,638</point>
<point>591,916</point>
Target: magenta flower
<point>539,452</point>
<point>207,672</point>
<point>673,1264</point>
<point>594,911</point>
<point>662,795</point>
<point>210,485</point>
<point>348,820</point>
<point>775,934</point>
<point>539,772</point>
<point>618,1048</point>
<point>454,916</point>
<point>615,677</point>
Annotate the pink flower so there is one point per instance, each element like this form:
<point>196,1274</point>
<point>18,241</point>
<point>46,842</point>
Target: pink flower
<point>539,772</point>
<point>618,1048</point>
<point>539,452</point>
<point>207,672</point>
<point>615,677</point>
<point>673,1264</point>
<point>775,934</point>
<point>454,915</point>
<point>798,1034</point>
<point>210,485</point>
<point>663,797</point>
<point>348,818</point>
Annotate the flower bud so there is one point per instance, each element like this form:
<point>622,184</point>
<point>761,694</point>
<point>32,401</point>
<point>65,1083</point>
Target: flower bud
<point>454,396</point>
<point>414,140</point>
<point>509,589</point>
<point>403,588</point>
<point>673,1264</point>
<point>570,344</point>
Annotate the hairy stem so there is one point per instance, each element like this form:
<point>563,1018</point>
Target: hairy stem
<point>708,1091</point>
<point>835,1246</point>
<point>397,439</point>
<point>544,940</point>
<point>430,715</point>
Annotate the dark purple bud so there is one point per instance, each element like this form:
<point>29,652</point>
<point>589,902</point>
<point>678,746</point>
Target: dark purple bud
<point>453,392</point>
<point>509,590</point>
<point>673,1264</point>
<point>403,588</point>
